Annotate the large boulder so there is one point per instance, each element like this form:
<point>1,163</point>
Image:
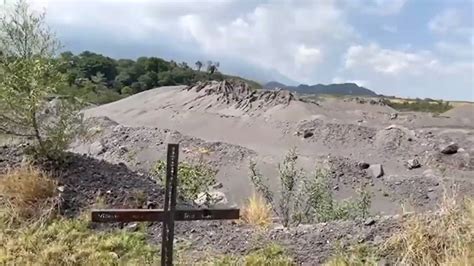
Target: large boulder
<point>376,170</point>
<point>451,148</point>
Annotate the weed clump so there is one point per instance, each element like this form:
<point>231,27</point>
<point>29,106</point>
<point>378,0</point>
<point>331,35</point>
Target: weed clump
<point>257,212</point>
<point>28,195</point>
<point>446,239</point>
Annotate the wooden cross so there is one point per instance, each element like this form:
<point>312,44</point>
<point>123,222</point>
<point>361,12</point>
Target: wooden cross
<point>169,214</point>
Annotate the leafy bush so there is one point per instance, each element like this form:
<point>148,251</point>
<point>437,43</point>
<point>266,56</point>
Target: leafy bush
<point>321,206</point>
<point>193,179</point>
<point>307,199</point>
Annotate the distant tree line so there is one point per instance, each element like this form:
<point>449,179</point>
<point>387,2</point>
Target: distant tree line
<point>101,79</point>
<point>421,105</point>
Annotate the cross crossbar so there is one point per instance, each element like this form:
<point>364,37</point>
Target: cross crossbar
<point>155,215</point>
<point>169,214</point>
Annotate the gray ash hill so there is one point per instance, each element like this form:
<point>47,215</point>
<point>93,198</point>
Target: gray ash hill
<point>332,89</point>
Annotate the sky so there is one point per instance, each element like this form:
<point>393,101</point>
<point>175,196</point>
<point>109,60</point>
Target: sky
<point>409,48</point>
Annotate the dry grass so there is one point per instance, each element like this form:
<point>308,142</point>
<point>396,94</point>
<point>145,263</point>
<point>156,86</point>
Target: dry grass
<point>27,194</point>
<point>447,239</point>
<point>257,212</point>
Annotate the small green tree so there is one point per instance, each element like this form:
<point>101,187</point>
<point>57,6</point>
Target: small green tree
<point>287,206</point>
<point>29,79</point>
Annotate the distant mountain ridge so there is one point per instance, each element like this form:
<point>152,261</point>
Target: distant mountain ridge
<point>334,89</point>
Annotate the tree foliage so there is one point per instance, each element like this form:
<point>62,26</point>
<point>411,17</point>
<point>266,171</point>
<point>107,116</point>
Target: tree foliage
<point>140,75</point>
<point>29,78</point>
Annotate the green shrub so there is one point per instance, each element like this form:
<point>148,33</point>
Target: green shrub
<point>193,179</point>
<point>321,206</point>
<point>307,199</point>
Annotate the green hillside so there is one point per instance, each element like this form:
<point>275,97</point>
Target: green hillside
<point>100,79</point>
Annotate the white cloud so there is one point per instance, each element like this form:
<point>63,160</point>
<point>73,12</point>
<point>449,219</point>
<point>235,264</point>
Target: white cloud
<point>377,7</point>
<point>446,21</point>
<point>361,83</point>
<point>386,61</point>
<point>307,56</point>
<point>303,40</point>
<point>292,38</point>
<point>418,72</point>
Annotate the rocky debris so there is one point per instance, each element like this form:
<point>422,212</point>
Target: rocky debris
<point>451,148</point>
<point>241,95</point>
<point>413,163</point>
<point>343,171</point>
<point>308,244</point>
<point>211,198</point>
<point>97,148</point>
<point>363,165</point>
<point>420,193</point>
<point>459,161</point>
<point>335,133</point>
<point>121,144</point>
<point>376,170</point>
<point>10,157</point>
<point>393,116</point>
<point>394,140</point>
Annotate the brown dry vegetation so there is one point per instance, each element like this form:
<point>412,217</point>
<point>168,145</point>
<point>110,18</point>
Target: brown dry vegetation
<point>444,238</point>
<point>257,212</point>
<point>28,194</point>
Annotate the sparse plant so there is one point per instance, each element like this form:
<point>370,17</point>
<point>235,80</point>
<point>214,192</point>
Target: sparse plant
<point>28,195</point>
<point>308,199</point>
<point>260,183</point>
<point>290,178</point>
<point>29,78</point>
<point>193,179</point>
<point>137,198</point>
<point>257,211</point>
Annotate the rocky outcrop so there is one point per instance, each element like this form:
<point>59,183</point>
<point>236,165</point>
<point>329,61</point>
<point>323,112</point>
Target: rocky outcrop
<point>240,94</point>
